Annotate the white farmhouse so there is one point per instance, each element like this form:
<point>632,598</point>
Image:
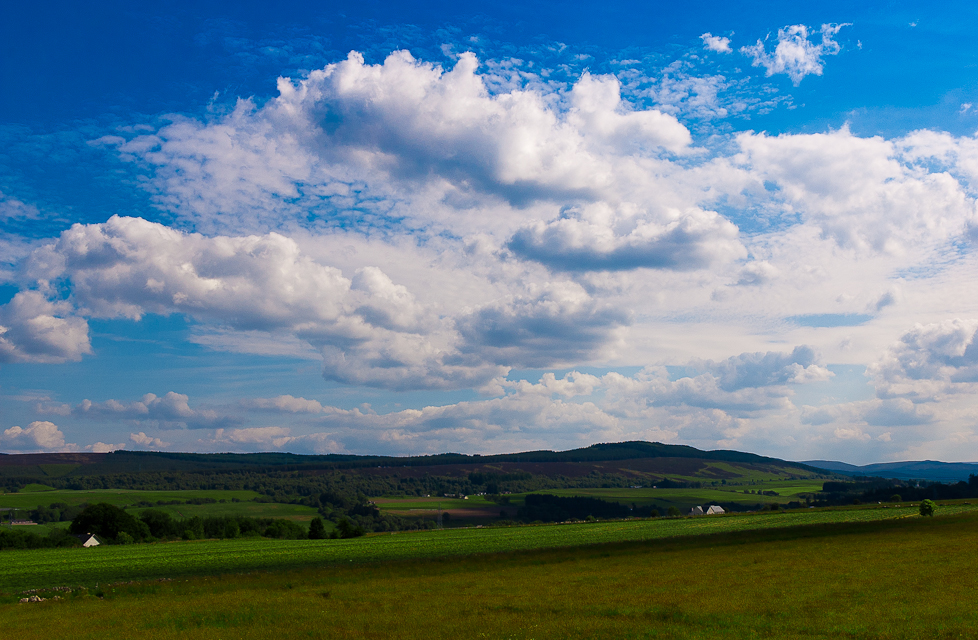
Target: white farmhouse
<point>88,540</point>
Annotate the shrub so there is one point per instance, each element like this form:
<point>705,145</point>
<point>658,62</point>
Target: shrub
<point>285,529</point>
<point>232,529</point>
<point>108,521</point>
<point>927,508</point>
<point>160,523</point>
<point>347,529</point>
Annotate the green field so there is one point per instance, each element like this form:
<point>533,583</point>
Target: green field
<point>433,504</point>
<point>299,513</point>
<point>127,498</point>
<point>52,567</point>
<point>788,490</point>
<point>477,509</point>
<point>908,577</point>
<point>118,497</point>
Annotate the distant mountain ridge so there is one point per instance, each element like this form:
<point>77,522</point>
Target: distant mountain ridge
<point>910,470</point>
<point>145,461</point>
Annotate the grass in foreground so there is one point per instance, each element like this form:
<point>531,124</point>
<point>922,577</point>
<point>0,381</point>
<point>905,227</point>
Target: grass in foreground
<point>907,578</point>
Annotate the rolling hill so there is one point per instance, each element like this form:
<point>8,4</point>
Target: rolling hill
<point>911,470</point>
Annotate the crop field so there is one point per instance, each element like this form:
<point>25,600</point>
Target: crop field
<point>53,567</point>
<point>788,490</point>
<point>474,510</point>
<point>405,505</point>
<point>908,577</point>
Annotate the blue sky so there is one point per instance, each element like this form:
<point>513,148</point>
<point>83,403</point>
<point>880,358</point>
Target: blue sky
<point>388,228</point>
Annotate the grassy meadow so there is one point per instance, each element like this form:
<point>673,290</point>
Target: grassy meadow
<point>905,577</point>
<point>39,568</point>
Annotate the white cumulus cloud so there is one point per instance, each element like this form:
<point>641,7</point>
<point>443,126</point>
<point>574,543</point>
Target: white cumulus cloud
<point>794,54</point>
<point>716,43</point>
<point>38,436</point>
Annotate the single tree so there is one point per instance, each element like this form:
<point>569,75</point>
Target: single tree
<point>673,512</point>
<point>317,530</point>
<point>927,508</point>
<point>896,497</point>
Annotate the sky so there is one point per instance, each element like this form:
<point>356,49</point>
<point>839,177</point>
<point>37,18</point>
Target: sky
<point>414,228</point>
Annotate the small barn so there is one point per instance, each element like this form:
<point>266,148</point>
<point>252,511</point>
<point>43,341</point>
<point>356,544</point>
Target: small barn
<point>88,540</point>
<point>714,508</point>
<point>696,511</point>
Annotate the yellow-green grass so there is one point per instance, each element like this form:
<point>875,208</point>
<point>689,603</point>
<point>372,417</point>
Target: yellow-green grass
<point>36,488</point>
<point>907,578</point>
<point>403,506</point>
<point>736,474</point>
<point>746,474</point>
<point>57,470</point>
<point>296,512</point>
<point>75,566</point>
<point>118,497</point>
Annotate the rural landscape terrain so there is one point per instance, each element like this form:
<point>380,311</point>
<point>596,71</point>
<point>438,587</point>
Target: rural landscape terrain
<point>590,542</point>
<point>513,320</point>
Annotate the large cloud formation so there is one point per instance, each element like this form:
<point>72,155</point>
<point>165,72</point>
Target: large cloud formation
<point>420,137</point>
<point>368,329</point>
<point>424,227</point>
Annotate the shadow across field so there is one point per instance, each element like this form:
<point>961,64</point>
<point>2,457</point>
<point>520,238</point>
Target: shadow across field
<point>894,579</point>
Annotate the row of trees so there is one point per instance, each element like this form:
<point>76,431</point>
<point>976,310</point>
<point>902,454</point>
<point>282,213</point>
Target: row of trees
<point>888,490</point>
<point>21,539</point>
<point>114,525</point>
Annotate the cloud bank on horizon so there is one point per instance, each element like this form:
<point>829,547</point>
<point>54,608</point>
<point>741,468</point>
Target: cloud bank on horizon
<point>495,248</point>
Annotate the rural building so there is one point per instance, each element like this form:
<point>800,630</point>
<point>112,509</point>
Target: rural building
<point>714,508</point>
<point>696,511</point>
<point>88,540</point>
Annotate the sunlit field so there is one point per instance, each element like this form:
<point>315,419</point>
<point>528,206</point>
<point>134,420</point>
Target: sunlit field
<point>908,577</point>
